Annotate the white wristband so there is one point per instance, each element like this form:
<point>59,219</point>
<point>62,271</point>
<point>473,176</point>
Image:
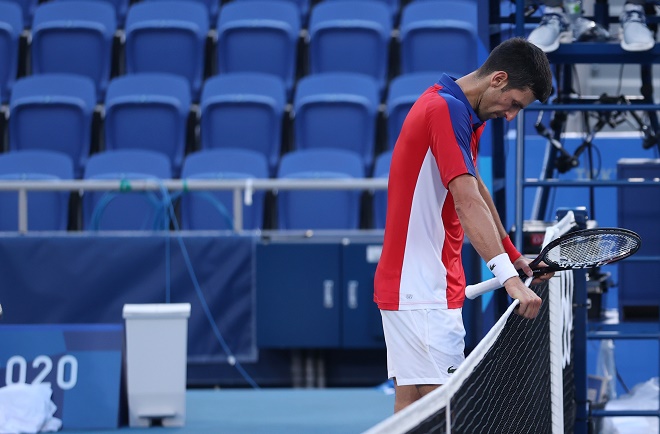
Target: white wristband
<point>502,268</point>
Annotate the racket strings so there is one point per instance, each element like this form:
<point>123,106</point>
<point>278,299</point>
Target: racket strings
<point>590,250</point>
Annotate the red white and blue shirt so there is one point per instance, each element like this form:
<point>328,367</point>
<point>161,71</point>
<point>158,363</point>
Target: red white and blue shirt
<point>420,265</point>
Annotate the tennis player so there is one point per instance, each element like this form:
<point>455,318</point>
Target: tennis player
<point>435,197</point>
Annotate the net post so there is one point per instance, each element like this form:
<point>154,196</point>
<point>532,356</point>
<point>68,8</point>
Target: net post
<point>556,377</point>
<point>560,323</point>
<point>580,352</point>
<point>580,333</point>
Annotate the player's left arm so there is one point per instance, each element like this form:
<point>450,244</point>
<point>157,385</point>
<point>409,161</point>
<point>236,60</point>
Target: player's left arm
<point>521,262</point>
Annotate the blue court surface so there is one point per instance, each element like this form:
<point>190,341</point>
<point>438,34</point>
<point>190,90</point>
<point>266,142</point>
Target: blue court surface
<point>274,411</point>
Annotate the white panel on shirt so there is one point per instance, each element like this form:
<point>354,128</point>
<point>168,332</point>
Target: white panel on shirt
<point>423,275</point>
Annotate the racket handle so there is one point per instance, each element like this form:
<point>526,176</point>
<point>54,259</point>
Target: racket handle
<point>474,291</point>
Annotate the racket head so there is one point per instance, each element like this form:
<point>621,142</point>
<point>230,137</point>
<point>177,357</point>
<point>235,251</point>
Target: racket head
<point>588,248</point>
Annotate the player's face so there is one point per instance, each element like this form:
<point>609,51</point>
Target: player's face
<point>504,104</point>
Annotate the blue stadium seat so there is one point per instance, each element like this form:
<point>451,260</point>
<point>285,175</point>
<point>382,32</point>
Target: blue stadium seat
<point>351,36</point>
<point>212,8</point>
<point>244,110</point>
<point>439,35</point>
<point>302,5</point>
<point>214,210</point>
<point>113,210</point>
<point>47,211</point>
<point>381,170</point>
<point>27,7</point>
<point>327,209</point>
<point>259,36</point>
<point>337,110</point>
<point>61,105</point>
<point>403,92</point>
<point>393,5</point>
<point>170,37</point>
<point>148,111</point>
<point>120,7</point>
<point>74,37</point>
<point>11,26</point>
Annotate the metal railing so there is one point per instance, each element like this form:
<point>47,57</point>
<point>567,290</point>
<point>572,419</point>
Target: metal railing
<point>243,189</point>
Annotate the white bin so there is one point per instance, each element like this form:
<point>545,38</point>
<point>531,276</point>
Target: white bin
<point>156,351</point>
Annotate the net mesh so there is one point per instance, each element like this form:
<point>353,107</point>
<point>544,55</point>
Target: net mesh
<point>507,390</point>
<point>511,381</point>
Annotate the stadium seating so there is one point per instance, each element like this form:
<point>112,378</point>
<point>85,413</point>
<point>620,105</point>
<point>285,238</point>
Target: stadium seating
<point>244,110</point>
<point>11,26</point>
<point>62,106</point>
<point>170,37</point>
<point>215,209</point>
<point>403,92</point>
<point>120,7</point>
<point>381,170</point>
<point>121,210</point>
<point>259,36</point>
<point>47,211</point>
<point>27,7</point>
<point>310,209</point>
<point>393,5</point>
<point>148,111</point>
<point>212,8</point>
<point>351,36</point>
<point>74,37</point>
<point>302,5</point>
<point>337,110</point>
<point>438,35</point>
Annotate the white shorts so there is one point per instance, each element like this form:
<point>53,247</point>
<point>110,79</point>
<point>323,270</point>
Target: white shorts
<point>423,346</point>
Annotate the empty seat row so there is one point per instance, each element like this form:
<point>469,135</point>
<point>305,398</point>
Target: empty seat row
<point>152,112</point>
<point>121,7</point>
<point>55,112</point>
<point>213,7</point>
<point>199,209</point>
<point>77,36</point>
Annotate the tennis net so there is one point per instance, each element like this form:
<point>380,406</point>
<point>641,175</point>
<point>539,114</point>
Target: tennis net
<point>519,379</point>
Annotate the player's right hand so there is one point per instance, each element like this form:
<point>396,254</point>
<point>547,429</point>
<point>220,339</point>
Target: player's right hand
<point>530,303</point>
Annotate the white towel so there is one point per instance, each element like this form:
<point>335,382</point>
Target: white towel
<point>27,408</point>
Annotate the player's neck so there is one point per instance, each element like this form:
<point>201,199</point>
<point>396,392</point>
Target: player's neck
<point>473,88</point>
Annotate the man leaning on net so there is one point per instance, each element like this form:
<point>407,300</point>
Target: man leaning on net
<point>435,197</point>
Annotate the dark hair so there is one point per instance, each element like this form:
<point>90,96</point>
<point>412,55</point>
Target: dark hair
<point>525,64</point>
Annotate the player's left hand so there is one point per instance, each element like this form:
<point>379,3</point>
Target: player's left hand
<point>522,263</point>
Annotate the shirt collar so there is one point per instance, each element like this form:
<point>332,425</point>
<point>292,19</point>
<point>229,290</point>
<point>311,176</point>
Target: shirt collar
<point>449,86</point>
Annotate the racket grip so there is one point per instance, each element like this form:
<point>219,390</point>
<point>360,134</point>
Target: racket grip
<point>474,291</point>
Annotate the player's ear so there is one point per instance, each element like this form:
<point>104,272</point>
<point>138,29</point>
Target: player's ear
<point>499,79</point>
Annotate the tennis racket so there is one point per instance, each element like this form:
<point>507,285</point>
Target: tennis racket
<point>587,248</point>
